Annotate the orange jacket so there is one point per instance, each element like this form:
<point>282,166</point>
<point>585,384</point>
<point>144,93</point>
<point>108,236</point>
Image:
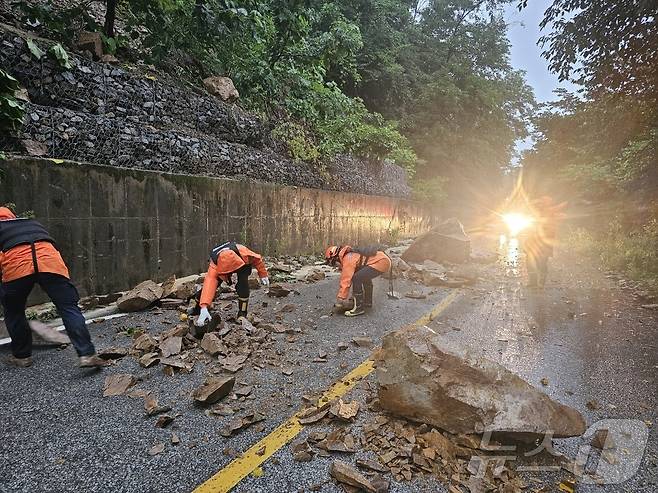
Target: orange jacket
<point>227,263</point>
<point>350,261</point>
<point>17,262</point>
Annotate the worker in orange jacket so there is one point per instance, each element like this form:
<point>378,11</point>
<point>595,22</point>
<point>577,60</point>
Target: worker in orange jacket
<point>358,268</point>
<point>225,260</point>
<point>29,256</point>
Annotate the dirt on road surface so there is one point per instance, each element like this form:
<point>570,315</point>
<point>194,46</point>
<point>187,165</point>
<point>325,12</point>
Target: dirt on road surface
<point>582,340</point>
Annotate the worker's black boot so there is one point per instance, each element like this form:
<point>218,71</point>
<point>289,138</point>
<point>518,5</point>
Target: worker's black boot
<point>243,304</point>
<point>367,295</point>
<point>358,306</point>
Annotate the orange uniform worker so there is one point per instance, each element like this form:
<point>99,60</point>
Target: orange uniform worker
<point>358,268</point>
<point>29,256</point>
<point>225,260</point>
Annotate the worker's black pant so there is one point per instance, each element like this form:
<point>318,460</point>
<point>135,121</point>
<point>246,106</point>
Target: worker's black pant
<point>362,279</point>
<point>63,294</point>
<point>242,286</point>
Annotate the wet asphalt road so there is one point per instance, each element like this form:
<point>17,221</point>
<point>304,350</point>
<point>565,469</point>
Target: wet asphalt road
<point>582,333</point>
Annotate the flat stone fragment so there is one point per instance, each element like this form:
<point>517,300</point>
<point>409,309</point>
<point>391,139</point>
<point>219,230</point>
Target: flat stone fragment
<point>117,384</point>
<point>362,341</point>
<point>149,359</point>
<point>113,353</point>
<point>171,346</point>
<point>140,297</point>
<point>278,291</point>
<point>145,343</point>
<point>344,473</point>
<point>214,389</point>
<point>212,344</point>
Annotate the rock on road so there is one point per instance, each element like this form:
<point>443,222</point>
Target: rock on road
<point>592,345</point>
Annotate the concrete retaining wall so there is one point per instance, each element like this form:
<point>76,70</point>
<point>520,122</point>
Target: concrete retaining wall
<point>116,227</point>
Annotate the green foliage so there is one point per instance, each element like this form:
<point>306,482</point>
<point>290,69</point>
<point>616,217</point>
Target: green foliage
<point>59,53</point>
<point>605,45</point>
<point>11,110</point>
<point>112,44</point>
<point>631,252</point>
<point>390,237</point>
<point>300,143</point>
<point>431,191</point>
<point>601,145</point>
<point>28,214</point>
<point>427,85</point>
<point>63,22</point>
<point>34,49</point>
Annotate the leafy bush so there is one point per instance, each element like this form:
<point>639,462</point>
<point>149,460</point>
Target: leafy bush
<point>11,110</point>
<point>296,137</point>
<point>634,252</point>
<point>343,72</point>
<point>63,22</point>
<point>431,191</point>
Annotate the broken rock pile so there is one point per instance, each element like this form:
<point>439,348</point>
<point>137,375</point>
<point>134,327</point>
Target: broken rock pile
<point>147,293</point>
<point>425,378</point>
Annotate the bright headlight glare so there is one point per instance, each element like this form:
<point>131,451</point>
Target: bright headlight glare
<point>517,222</point>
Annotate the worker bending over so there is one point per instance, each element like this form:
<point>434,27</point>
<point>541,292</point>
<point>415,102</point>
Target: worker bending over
<point>29,256</point>
<point>358,268</point>
<point>226,260</point>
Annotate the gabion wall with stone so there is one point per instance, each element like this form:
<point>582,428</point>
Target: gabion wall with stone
<point>132,118</point>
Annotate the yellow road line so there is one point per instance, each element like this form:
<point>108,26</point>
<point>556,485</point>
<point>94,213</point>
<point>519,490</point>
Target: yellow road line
<point>225,479</point>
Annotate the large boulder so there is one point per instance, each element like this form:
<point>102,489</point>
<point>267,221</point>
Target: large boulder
<point>425,378</point>
<point>182,288</point>
<point>222,88</point>
<point>140,297</point>
<point>446,242</point>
